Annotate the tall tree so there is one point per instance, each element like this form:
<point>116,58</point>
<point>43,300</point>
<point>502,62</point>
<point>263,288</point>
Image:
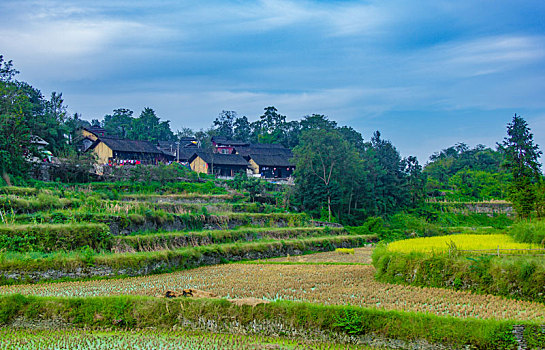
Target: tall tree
<point>241,129</point>
<point>391,183</point>
<point>148,127</point>
<point>522,160</point>
<point>224,123</point>
<point>326,165</point>
<point>119,123</point>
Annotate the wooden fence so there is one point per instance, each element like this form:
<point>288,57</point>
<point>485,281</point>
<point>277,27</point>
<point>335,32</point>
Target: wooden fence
<point>498,251</point>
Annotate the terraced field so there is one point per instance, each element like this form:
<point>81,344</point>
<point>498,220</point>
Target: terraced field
<point>150,340</point>
<point>360,256</point>
<point>327,284</point>
<point>218,243</point>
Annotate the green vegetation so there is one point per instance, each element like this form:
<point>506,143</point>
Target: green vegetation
<point>22,266</point>
<point>521,277</point>
<point>340,178</point>
<point>522,160</point>
<point>529,232</point>
<point>460,173</point>
<point>174,240</point>
<point>50,238</point>
<point>302,319</point>
<point>150,340</point>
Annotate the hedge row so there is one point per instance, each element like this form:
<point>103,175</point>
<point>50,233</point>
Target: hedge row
<point>18,205</point>
<point>521,277</point>
<point>289,318</point>
<point>29,268</point>
<point>175,240</point>
<point>159,220</point>
<point>49,238</point>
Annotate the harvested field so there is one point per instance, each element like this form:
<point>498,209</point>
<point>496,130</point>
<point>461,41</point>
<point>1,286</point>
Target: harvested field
<point>328,284</point>
<point>361,256</point>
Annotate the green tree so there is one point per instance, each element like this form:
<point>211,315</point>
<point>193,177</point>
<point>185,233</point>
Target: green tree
<point>521,159</point>
<point>119,123</point>
<point>241,129</point>
<point>148,127</point>
<point>224,123</point>
<point>14,131</point>
<point>326,166</point>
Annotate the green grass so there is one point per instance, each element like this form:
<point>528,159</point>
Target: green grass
<point>518,277</point>
<point>169,260</point>
<point>531,231</point>
<point>150,339</point>
<point>175,240</point>
<point>303,318</point>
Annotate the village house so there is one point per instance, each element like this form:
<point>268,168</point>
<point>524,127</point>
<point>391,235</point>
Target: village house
<point>268,160</point>
<point>271,166</point>
<point>217,163</point>
<point>264,160</point>
<point>180,151</point>
<point>90,135</point>
<point>114,151</point>
<point>226,146</point>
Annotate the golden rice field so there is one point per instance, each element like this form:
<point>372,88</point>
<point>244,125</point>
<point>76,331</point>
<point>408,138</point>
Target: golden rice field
<point>361,255</point>
<point>148,340</point>
<point>463,242</point>
<point>328,284</point>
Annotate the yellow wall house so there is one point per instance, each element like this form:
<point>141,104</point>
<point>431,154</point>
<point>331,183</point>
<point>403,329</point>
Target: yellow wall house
<point>118,151</point>
<point>218,163</point>
<point>93,132</point>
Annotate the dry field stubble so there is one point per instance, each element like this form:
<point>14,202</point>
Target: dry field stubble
<point>328,284</point>
<point>361,255</point>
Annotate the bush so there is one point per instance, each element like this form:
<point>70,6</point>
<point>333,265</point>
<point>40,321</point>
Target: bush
<point>49,238</point>
<point>529,231</point>
<point>521,277</point>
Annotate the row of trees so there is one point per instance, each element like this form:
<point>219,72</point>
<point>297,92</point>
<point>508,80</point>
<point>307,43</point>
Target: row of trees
<point>146,127</point>
<point>463,173</point>
<point>272,127</point>
<point>25,112</point>
<point>339,176</point>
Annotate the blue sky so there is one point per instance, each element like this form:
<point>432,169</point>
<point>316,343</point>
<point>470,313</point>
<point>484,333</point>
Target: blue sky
<point>427,74</point>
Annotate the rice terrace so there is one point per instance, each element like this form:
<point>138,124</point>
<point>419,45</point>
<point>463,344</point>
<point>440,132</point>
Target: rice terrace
<point>272,175</point>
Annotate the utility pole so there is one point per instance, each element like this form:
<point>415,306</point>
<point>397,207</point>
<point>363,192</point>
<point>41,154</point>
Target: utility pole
<point>178,152</point>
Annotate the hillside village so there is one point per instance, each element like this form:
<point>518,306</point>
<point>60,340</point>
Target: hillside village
<point>164,202</point>
<point>225,159</point>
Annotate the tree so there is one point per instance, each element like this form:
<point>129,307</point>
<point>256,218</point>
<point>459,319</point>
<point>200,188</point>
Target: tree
<point>326,165</point>
<point>224,123</point>
<point>148,127</point>
<point>7,72</point>
<point>14,131</point>
<point>416,181</point>
<point>317,121</point>
<point>270,128</point>
<point>241,129</point>
<point>119,123</point>
<point>521,159</point>
<point>391,188</point>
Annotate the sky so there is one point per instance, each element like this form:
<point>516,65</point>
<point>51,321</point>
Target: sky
<point>428,74</point>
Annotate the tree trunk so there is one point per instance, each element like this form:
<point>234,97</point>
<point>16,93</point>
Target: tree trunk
<point>329,206</point>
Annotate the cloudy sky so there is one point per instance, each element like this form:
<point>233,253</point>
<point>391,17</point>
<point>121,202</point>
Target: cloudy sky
<point>427,74</point>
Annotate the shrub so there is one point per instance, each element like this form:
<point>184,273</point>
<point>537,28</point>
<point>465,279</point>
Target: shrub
<point>521,277</point>
<point>529,231</point>
<point>49,238</point>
